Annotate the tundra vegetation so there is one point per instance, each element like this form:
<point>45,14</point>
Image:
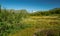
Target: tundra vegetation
<point>22,23</point>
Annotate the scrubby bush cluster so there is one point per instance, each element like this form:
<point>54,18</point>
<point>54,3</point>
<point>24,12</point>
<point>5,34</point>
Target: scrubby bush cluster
<point>10,21</point>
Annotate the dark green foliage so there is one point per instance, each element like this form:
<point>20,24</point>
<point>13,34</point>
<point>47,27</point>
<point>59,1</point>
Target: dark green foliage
<point>0,8</point>
<point>10,21</point>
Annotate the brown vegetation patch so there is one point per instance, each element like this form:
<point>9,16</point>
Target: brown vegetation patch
<point>48,33</point>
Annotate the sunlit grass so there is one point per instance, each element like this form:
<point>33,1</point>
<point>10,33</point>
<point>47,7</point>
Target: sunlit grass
<point>37,25</point>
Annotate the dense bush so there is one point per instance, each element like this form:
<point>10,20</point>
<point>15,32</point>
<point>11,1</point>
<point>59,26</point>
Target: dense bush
<point>10,21</point>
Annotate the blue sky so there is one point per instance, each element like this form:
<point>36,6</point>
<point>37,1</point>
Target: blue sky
<point>30,4</point>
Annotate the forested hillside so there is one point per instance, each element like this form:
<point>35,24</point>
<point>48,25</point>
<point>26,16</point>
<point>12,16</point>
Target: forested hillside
<point>47,13</point>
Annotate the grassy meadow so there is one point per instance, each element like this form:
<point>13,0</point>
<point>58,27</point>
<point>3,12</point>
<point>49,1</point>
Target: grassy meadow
<point>38,24</point>
<point>23,23</point>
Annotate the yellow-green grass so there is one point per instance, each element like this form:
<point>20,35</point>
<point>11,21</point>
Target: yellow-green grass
<point>38,24</point>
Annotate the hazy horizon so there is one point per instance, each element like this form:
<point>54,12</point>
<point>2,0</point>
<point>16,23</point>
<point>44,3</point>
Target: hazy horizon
<point>30,5</point>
